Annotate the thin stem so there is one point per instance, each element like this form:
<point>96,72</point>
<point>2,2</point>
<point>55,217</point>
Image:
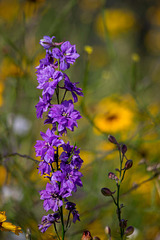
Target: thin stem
<point>62,221</point>
<point>123,175</point>
<point>55,228</point>
<point>68,220</point>
<point>64,96</point>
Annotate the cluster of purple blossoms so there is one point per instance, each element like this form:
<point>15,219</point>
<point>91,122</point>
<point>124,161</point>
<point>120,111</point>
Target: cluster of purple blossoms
<point>62,170</point>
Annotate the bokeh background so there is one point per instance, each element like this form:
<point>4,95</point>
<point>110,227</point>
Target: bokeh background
<point>119,71</point>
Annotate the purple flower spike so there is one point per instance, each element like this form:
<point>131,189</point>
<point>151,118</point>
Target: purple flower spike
<point>46,42</point>
<point>65,115</point>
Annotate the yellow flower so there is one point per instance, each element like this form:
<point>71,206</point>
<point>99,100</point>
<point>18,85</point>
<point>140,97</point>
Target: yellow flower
<point>135,57</point>
<point>7,226</point>
<point>115,21</point>
<point>88,49</point>
<point>9,10</point>
<point>114,115</point>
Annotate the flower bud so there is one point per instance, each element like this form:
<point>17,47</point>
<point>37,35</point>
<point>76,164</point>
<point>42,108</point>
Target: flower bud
<point>112,139</point>
<point>129,231</point>
<point>128,164</point>
<point>112,176</point>
<point>124,149</point>
<point>123,223</point>
<point>107,192</point>
<point>86,235</point>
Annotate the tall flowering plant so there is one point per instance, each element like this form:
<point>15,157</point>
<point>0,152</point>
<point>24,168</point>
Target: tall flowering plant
<point>62,170</point>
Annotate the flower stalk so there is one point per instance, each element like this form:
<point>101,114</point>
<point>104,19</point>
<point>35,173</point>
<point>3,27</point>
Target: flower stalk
<point>62,170</point>
<point>107,192</point>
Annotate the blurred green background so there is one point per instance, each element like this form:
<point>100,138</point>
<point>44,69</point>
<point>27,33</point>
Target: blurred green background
<point>119,71</point>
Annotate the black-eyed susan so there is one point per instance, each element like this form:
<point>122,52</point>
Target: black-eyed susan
<point>114,114</point>
<point>7,226</point>
<point>115,21</point>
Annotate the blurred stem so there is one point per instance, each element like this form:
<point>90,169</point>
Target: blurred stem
<point>134,76</point>
<point>109,45</point>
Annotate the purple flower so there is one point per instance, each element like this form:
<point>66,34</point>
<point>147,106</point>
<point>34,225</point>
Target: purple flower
<point>69,55</point>
<point>46,42</point>
<point>65,115</point>
<point>47,221</point>
<point>69,86</point>
<point>43,105</point>
<point>44,62</point>
<point>48,79</point>
<point>72,208</point>
<point>53,194</point>
<point>51,197</point>
<point>45,149</point>
<point>44,168</point>
<point>72,177</point>
<point>71,155</point>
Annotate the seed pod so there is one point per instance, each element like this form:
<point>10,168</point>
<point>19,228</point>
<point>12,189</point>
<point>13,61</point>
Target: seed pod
<point>128,164</point>
<point>129,231</point>
<point>112,139</point>
<point>107,192</point>
<point>124,149</point>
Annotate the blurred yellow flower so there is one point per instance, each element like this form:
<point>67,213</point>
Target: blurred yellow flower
<point>135,57</point>
<point>30,7</point>
<point>88,49</point>
<point>3,175</point>
<point>9,10</point>
<point>114,115</point>
<point>7,226</point>
<point>115,21</point>
<point>9,68</point>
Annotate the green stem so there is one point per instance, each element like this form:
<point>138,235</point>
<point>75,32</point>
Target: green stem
<point>64,96</point>
<point>55,228</point>
<point>118,193</point>
<point>62,221</point>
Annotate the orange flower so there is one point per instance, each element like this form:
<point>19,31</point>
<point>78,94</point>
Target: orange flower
<point>7,226</point>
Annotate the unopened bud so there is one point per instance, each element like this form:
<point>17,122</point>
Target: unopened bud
<point>86,235</point>
<point>107,192</point>
<point>129,231</point>
<point>112,176</point>
<point>123,223</point>
<point>124,149</point>
<point>107,230</point>
<point>112,139</point>
<point>128,164</point>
